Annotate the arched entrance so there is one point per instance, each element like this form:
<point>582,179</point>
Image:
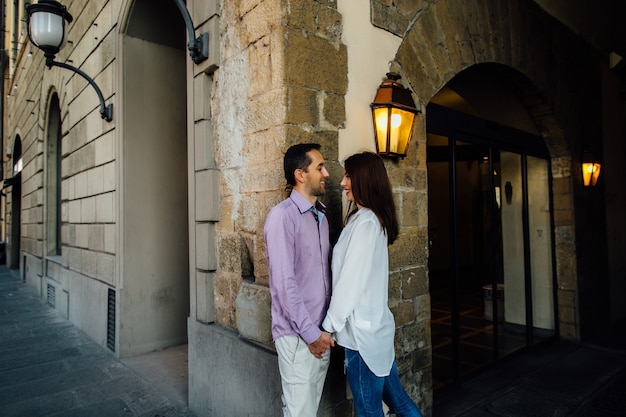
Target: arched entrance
<point>491,268</point>
<point>153,294</point>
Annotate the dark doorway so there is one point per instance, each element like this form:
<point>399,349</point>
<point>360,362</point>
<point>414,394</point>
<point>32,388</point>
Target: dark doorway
<point>490,233</point>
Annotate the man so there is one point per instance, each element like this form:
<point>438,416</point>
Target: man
<point>298,257</point>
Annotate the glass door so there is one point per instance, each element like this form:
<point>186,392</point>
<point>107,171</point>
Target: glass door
<point>490,259</point>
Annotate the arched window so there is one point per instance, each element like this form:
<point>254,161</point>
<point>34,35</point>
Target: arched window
<point>53,178</point>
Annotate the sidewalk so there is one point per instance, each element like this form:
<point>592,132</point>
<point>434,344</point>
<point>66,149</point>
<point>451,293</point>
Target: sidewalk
<point>564,379</point>
<point>48,367</point>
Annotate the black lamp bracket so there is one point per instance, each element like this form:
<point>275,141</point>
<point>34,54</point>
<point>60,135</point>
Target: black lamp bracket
<point>105,111</point>
<point>198,46</point>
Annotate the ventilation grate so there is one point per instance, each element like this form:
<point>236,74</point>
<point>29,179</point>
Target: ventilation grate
<point>111,320</point>
<point>52,299</point>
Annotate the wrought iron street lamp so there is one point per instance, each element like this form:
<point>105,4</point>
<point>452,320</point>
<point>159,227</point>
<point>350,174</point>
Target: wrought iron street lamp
<point>198,46</point>
<point>47,29</point>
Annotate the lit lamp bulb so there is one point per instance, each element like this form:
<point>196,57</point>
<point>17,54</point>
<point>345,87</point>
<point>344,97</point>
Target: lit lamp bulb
<point>591,172</point>
<point>591,167</point>
<point>393,129</point>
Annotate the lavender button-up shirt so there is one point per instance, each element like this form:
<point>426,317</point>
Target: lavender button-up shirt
<point>298,255</point>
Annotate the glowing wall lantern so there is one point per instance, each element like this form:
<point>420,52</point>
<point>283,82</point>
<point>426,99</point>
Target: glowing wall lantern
<point>591,168</point>
<point>393,111</point>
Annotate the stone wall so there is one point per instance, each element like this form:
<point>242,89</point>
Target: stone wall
<point>281,82</point>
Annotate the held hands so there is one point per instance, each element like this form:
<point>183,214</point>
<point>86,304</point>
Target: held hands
<point>324,342</point>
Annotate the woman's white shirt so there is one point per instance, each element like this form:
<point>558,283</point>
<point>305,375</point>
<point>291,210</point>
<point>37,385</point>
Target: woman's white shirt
<point>358,313</point>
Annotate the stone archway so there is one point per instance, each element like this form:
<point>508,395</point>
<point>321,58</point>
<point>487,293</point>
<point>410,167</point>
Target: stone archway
<point>448,37</point>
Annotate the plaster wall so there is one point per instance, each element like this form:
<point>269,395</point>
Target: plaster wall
<point>371,49</point>
<point>154,291</point>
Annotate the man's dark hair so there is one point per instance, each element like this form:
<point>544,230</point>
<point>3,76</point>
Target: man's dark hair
<point>296,158</point>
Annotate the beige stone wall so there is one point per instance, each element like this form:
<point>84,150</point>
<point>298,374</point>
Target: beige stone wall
<point>89,151</point>
<point>281,82</point>
<point>409,297</point>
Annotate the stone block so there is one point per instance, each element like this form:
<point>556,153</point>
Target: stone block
<point>265,111</point>
<point>212,27</point>
<point>395,286</point>
<point>254,319</point>
<point>95,180</point>
<point>205,297</point>
<point>105,208</point>
<point>110,176</point>
<point>315,63</point>
<point>226,288</point>
<point>403,312</point>
<point>250,218</point>
<point>408,209</point>
<point>110,240</point>
<point>206,259</point>
<point>89,264</point>
<point>207,205</point>
<point>105,149</point>
<point>567,314</point>
<point>95,236</point>
<point>81,236</point>
<point>411,248</point>
<point>329,22</point>
<point>562,168</point>
<point>230,249</point>
<point>80,183</point>
<point>203,154</point>
<point>202,87</point>
<point>334,110</point>
<point>394,16</point>
<point>105,268</point>
<point>259,21</point>
<point>203,10</point>
<point>301,106</point>
<point>414,282</point>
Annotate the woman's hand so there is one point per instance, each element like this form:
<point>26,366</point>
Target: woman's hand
<point>323,343</point>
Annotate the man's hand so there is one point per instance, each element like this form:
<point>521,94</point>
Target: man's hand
<point>324,342</point>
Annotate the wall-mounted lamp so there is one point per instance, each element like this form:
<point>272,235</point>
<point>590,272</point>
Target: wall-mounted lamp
<point>591,168</point>
<point>198,46</point>
<point>393,111</point>
<point>47,30</point>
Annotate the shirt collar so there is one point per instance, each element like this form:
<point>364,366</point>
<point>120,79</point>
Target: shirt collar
<point>303,204</point>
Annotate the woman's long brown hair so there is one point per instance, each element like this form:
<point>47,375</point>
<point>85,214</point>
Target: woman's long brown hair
<point>371,189</point>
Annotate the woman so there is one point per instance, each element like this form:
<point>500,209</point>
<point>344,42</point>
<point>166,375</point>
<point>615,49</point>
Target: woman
<point>358,315</point>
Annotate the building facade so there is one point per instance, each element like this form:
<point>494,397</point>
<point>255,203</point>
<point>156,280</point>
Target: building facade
<point>146,231</point>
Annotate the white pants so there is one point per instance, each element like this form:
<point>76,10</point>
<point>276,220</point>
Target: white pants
<point>302,376</point>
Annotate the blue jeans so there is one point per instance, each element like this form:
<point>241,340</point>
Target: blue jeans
<point>369,390</point>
